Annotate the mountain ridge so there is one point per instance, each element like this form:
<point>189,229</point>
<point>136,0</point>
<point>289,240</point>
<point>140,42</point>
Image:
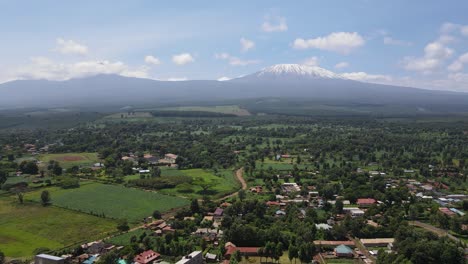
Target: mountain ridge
<point>281,80</point>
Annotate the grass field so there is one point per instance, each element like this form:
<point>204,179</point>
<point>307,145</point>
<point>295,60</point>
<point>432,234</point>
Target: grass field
<point>111,200</point>
<point>124,239</point>
<point>284,164</point>
<point>224,109</point>
<point>24,228</point>
<point>223,183</point>
<point>68,160</point>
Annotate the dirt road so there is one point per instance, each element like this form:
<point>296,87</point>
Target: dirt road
<point>240,177</point>
<point>440,232</point>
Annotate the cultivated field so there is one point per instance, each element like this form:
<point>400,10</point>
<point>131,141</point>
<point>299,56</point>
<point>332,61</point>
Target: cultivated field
<point>24,228</point>
<point>68,160</point>
<point>111,201</point>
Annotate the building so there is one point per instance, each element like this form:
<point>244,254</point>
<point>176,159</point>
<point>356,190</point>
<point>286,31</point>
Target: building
<point>244,251</point>
<point>195,257</point>
<point>146,257</point>
<point>48,259</point>
<point>170,157</point>
<point>377,242</point>
<point>366,202</point>
<point>332,243</point>
<point>289,187</point>
<point>356,212</point>
<point>218,213</point>
<point>343,251</point>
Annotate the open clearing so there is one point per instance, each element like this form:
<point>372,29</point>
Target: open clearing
<point>24,228</point>
<point>223,182</point>
<point>111,201</point>
<point>224,109</point>
<point>68,160</point>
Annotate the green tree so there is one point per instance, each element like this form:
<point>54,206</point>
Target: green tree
<point>122,225</point>
<point>109,258</point>
<point>241,194</point>
<point>3,177</point>
<point>194,206</point>
<point>45,198</point>
<point>157,214</point>
<point>2,257</point>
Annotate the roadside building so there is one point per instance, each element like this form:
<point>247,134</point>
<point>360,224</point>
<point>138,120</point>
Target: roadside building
<point>48,259</point>
<point>195,257</point>
<point>146,257</point>
<point>343,251</point>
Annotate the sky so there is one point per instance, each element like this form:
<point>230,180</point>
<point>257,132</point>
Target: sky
<point>411,43</point>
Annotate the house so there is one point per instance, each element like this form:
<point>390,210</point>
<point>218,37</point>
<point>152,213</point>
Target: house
<point>365,202</point>
<point>343,251</point>
<point>218,213</point>
<point>356,212</point>
<point>323,226</point>
<point>244,251</point>
<point>377,242</point>
<point>170,157</point>
<point>331,243</point>
<point>146,257</point>
<point>447,211</point>
<point>273,203</point>
<point>257,189</point>
<point>48,259</point>
<point>280,213</point>
<point>289,187</point>
<point>195,257</point>
<point>212,258</point>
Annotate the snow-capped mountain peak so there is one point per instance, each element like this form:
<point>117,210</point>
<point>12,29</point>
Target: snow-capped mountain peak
<point>297,70</point>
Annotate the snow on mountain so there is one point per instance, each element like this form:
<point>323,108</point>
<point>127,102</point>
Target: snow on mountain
<point>296,71</point>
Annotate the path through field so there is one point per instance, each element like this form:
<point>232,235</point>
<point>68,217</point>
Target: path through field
<point>440,232</point>
<point>240,177</point>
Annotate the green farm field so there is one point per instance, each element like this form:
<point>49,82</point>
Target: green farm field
<point>223,183</point>
<point>111,201</point>
<point>68,160</point>
<point>224,109</point>
<point>24,228</point>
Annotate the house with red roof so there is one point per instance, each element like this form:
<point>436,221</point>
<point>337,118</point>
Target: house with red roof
<point>244,251</point>
<point>146,257</point>
<point>366,202</point>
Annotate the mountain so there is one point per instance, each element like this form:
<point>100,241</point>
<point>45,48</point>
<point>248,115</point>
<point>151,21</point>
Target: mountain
<point>290,81</point>
<point>292,72</point>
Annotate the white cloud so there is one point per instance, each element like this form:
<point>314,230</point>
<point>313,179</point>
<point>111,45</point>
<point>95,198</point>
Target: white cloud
<point>459,63</point>
<point>448,27</point>
<point>312,61</point>
<point>246,44</point>
<point>366,77</point>
<point>235,61</point>
<point>224,78</point>
<point>342,65</point>
<point>435,53</point>
<point>183,58</point>
<point>44,68</point>
<point>274,24</point>
<point>70,47</point>
<point>397,42</point>
<point>341,42</point>
<point>464,31</point>
<point>177,79</point>
<point>152,60</point>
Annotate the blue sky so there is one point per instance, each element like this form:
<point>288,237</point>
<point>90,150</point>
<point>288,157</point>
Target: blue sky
<point>413,43</point>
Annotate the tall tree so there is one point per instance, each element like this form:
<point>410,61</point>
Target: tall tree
<point>45,198</point>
